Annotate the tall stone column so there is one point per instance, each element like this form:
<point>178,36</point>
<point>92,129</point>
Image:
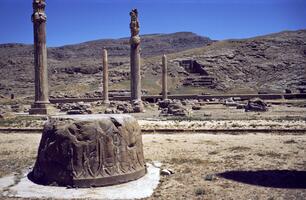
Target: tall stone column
<point>105,77</point>
<point>39,18</point>
<point>164,78</point>
<point>135,63</point>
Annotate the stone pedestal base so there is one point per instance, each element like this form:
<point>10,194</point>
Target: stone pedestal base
<point>89,151</point>
<point>41,109</point>
<point>106,102</point>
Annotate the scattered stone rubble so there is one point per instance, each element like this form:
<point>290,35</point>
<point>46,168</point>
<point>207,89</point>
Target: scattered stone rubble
<point>60,95</point>
<point>75,108</point>
<point>138,106</point>
<point>119,107</point>
<point>196,107</point>
<point>172,108</point>
<point>16,108</point>
<point>256,105</point>
<point>95,94</point>
<point>230,102</point>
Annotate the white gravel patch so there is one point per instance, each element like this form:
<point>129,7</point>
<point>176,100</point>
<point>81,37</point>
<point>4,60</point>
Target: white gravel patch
<point>137,189</point>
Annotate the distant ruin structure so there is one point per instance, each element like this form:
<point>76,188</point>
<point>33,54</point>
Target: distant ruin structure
<point>39,18</point>
<point>164,78</point>
<point>105,77</point>
<point>135,62</point>
<point>197,75</point>
<point>91,151</point>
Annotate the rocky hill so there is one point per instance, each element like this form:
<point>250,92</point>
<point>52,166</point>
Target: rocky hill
<point>197,64</point>
<point>80,64</point>
<point>265,64</point>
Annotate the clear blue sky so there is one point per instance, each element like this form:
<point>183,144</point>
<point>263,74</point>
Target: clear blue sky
<point>75,21</point>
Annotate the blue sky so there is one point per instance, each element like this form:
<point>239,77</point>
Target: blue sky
<point>75,21</point>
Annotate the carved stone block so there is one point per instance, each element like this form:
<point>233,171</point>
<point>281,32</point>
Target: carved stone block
<point>89,151</point>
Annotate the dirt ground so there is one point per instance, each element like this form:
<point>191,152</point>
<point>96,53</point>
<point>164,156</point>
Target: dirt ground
<point>254,166</point>
<point>277,110</point>
<point>286,114</point>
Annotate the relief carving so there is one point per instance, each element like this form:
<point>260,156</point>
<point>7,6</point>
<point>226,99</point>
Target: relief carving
<point>84,153</point>
<point>39,14</point>
<point>134,26</point>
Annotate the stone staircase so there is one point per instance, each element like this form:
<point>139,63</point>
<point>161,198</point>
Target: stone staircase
<point>198,81</point>
<point>198,76</point>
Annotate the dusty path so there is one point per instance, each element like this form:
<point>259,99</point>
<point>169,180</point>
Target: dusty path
<point>194,156</point>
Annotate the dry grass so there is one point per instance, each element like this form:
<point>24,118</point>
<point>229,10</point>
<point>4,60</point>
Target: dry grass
<point>192,157</point>
<point>18,151</point>
<point>191,161</point>
<point>239,148</point>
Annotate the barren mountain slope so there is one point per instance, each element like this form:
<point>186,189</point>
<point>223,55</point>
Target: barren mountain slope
<point>268,63</point>
<point>77,68</point>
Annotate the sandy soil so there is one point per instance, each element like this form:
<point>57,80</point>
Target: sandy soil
<point>215,116</point>
<point>286,111</point>
<point>223,124</point>
<point>194,156</point>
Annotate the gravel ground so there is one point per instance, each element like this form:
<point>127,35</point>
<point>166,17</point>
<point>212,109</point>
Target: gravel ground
<point>254,166</point>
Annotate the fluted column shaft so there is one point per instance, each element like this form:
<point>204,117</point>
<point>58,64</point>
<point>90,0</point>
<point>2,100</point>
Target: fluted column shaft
<point>40,62</point>
<point>105,77</point>
<point>164,77</point>
<point>135,73</point>
<point>39,19</point>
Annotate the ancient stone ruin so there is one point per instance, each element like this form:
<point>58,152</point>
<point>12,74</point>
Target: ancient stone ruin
<point>105,77</point>
<point>164,78</point>
<point>89,151</point>
<point>86,151</point>
<point>256,105</point>
<point>197,75</point>
<point>41,104</point>
<point>39,18</point>
<point>170,107</point>
<point>135,62</point>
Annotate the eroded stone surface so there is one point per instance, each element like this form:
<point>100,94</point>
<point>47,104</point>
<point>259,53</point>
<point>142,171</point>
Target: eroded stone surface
<point>86,151</point>
<point>256,105</point>
<point>172,108</point>
<point>135,63</point>
<point>39,18</point>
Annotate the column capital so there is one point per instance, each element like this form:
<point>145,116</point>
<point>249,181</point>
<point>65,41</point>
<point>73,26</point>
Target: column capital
<point>134,27</point>
<point>39,14</point>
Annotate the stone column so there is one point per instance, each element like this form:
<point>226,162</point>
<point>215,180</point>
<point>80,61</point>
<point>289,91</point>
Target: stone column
<point>105,77</point>
<point>39,18</point>
<point>164,78</point>
<point>135,62</point>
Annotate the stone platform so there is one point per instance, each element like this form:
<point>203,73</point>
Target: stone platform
<point>89,151</point>
<point>19,186</point>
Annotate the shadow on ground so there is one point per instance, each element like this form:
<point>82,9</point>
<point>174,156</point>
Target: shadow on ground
<point>289,179</point>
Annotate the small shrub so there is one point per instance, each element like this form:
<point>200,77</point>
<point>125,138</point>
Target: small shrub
<point>194,161</point>
<point>213,152</point>
<point>290,141</point>
<point>199,191</point>
<point>239,148</point>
